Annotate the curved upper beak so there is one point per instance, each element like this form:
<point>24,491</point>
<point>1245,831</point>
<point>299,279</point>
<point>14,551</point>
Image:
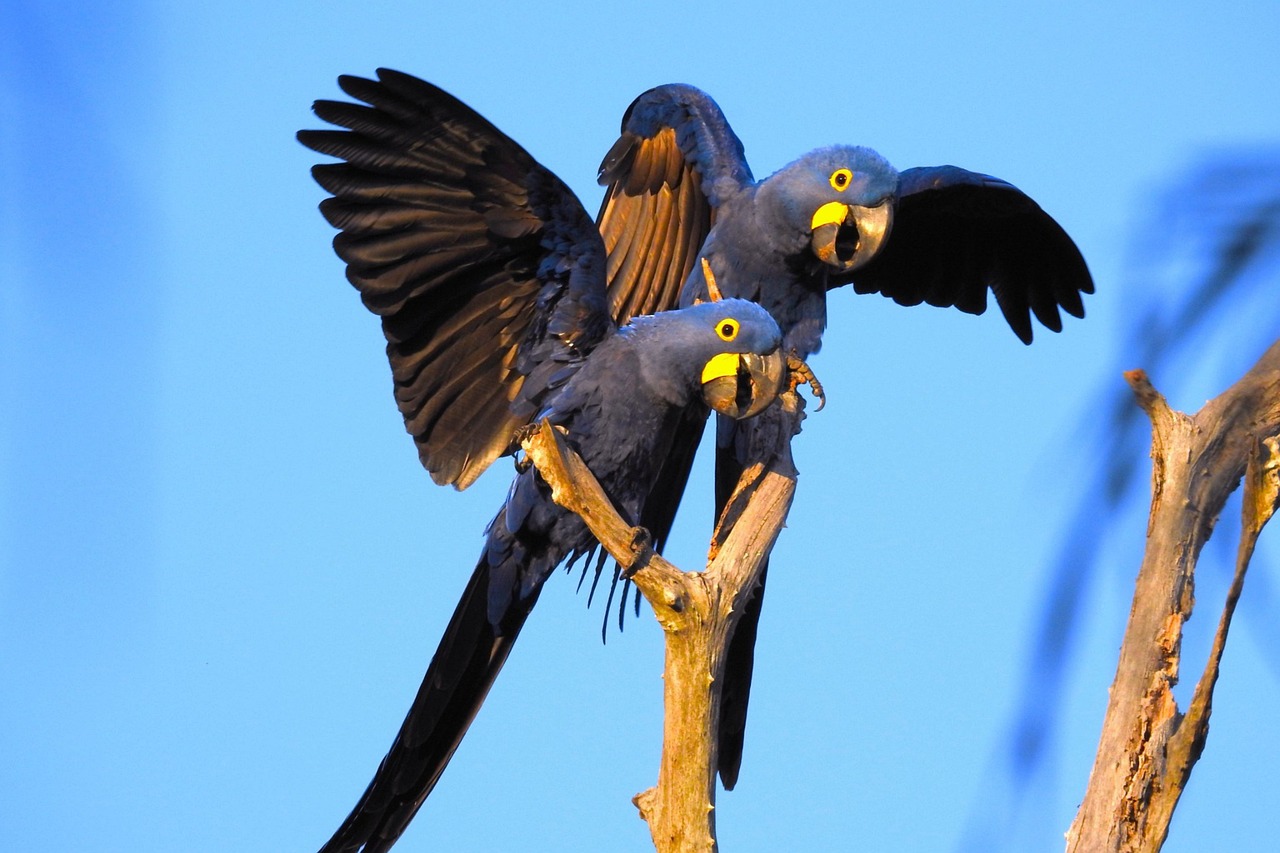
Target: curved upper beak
<point>743,384</point>
<point>846,236</point>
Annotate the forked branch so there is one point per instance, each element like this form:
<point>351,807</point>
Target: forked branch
<point>1148,746</point>
<point>697,611</point>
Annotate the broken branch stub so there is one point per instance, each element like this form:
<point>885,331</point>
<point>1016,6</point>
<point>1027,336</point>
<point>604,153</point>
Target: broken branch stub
<point>1148,746</point>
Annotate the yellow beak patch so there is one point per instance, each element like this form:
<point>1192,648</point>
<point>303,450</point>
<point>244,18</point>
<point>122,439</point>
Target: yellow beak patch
<point>724,364</point>
<point>831,213</point>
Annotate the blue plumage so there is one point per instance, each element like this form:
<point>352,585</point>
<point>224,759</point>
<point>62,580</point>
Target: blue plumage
<point>622,409</point>
<point>489,278</point>
<point>501,300</point>
<point>838,215</point>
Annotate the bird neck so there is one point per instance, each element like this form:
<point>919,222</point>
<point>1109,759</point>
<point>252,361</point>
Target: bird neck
<point>658,357</point>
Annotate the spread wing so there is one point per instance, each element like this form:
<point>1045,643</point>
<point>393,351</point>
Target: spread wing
<point>485,269</point>
<point>957,234</point>
<point>666,175</point>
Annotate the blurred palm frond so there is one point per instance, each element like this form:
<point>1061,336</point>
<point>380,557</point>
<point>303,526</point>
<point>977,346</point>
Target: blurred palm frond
<point>1202,278</point>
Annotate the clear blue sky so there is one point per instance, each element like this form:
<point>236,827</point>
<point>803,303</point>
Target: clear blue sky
<point>222,571</point>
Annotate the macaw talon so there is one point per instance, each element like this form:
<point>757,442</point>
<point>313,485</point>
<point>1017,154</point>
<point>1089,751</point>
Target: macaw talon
<point>641,547</point>
<point>523,434</point>
<point>802,374</point>
<point>526,432</point>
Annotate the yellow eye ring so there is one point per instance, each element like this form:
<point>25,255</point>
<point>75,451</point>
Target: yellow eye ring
<point>727,329</point>
<point>841,178</point>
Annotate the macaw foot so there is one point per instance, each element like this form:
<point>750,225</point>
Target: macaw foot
<point>523,434</point>
<point>526,432</point>
<point>802,374</point>
<point>641,545</point>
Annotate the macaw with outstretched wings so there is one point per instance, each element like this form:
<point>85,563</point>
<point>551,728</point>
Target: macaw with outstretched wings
<point>493,289</point>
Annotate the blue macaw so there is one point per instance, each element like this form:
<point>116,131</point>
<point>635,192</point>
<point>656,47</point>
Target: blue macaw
<point>489,277</point>
<point>679,188</point>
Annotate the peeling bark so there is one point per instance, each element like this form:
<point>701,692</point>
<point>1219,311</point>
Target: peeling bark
<point>1148,746</point>
<point>697,611</point>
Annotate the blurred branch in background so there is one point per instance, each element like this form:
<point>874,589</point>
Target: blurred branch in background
<point>1201,283</point>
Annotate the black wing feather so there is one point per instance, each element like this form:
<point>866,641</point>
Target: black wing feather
<point>472,253</point>
<point>958,234</point>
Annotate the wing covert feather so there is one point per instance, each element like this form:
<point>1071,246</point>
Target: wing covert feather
<point>671,167</point>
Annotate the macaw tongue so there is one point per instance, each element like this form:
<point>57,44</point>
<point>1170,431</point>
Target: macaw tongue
<point>846,242</point>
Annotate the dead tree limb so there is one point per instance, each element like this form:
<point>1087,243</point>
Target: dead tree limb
<point>697,611</point>
<point>1148,746</point>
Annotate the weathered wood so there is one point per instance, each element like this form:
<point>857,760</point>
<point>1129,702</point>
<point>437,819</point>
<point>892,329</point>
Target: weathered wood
<point>1148,746</point>
<point>697,611</point>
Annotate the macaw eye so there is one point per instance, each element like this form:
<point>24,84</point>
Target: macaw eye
<point>727,329</point>
<point>840,178</point>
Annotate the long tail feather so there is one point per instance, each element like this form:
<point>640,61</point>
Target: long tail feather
<point>464,667</point>
<point>740,655</point>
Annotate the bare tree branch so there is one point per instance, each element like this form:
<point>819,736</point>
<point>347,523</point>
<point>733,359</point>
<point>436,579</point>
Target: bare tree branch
<point>1148,747</point>
<point>697,611</point>
<point>1199,279</point>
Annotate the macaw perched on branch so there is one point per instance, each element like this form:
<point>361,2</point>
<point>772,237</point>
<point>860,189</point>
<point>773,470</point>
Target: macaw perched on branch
<point>679,188</point>
<point>477,259</point>
<point>489,277</point>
